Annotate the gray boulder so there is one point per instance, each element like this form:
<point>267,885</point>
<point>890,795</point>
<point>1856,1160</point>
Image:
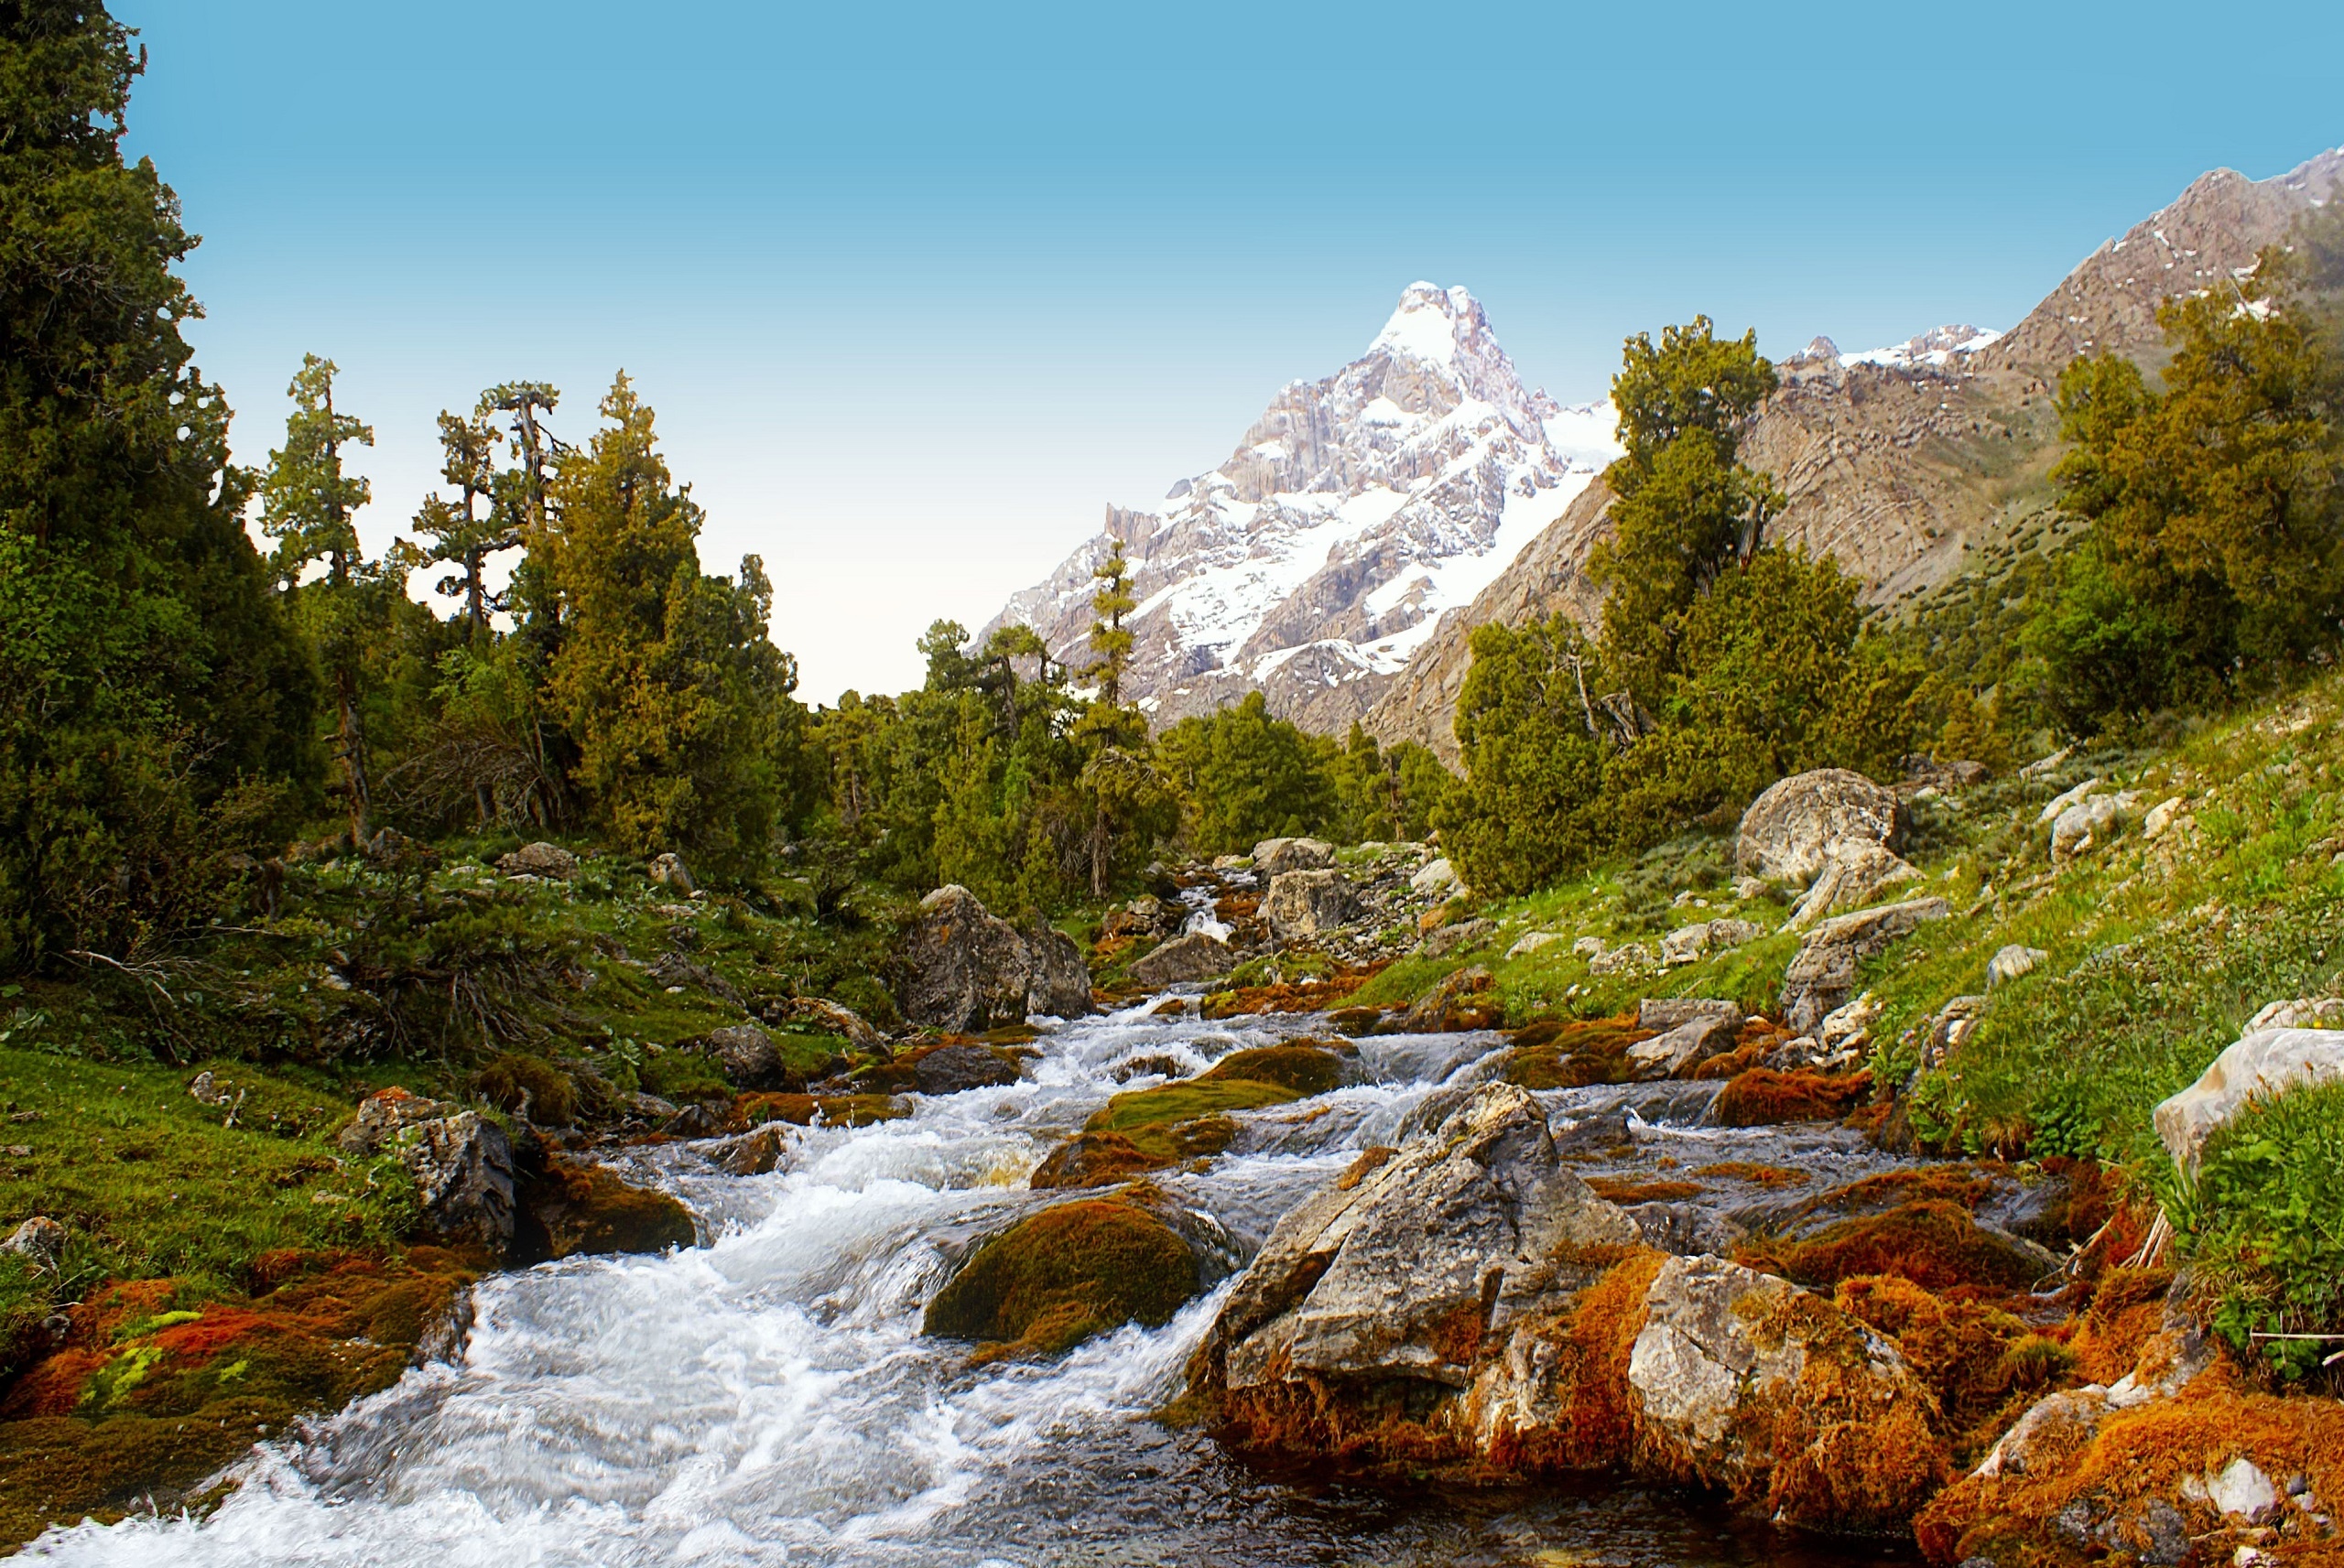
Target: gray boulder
<point>462,1163</point>
<point>1436,879</point>
<point>2090,822</point>
<point>1276,857</point>
<point>949,1069</point>
<point>1736,1372</point>
<point>1684,1047</point>
<point>2254,1067</point>
<point>1666,1012</point>
<point>745,1053</point>
<point>1308,904</point>
<point>1478,1223</point>
<point>1690,944</point>
<point>1196,957</point>
<point>1852,878</point>
<point>1822,973</point>
<point>964,968</point>
<point>39,1241</point>
<point>539,859</point>
<point>2011,961</point>
<point>1792,829</point>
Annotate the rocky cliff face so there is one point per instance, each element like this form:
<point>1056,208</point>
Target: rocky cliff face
<point>1901,463</point>
<point>1316,560</point>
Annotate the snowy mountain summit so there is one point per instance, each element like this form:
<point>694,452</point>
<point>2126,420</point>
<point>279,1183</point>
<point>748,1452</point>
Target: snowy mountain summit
<point>1318,558</point>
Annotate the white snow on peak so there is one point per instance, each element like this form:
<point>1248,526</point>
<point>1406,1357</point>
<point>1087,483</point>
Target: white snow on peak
<point>1354,512</point>
<point>1937,347</point>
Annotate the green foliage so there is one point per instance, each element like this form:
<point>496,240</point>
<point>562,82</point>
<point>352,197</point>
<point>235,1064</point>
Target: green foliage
<point>1531,807</point>
<point>2263,1229</point>
<point>1244,776</point>
<point>678,705</point>
<point>144,677</point>
<point>2215,560</point>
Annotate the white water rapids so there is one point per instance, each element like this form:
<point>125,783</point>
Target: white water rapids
<point>767,1397</point>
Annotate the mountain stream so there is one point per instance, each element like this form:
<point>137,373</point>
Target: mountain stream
<point>767,1397</point>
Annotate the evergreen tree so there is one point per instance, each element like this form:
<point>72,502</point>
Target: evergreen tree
<point>152,699</point>
<point>1531,807</point>
<point>308,506</point>
<point>1111,641</point>
<point>461,533</point>
<point>1121,783</point>
<point>679,705</point>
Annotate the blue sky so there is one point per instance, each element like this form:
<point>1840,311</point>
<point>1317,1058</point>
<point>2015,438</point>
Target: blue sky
<point>916,290</point>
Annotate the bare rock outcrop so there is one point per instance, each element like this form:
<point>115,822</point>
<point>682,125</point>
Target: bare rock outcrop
<point>2255,1066</point>
<point>1821,976</point>
<point>1308,904</point>
<point>1799,825</point>
<point>965,968</point>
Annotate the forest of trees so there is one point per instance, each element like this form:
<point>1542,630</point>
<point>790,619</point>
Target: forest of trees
<point>176,707</point>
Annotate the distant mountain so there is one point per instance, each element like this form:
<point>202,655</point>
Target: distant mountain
<point>1317,560</point>
<point>1906,464</point>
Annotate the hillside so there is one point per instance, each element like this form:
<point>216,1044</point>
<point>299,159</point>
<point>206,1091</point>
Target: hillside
<point>1902,471</point>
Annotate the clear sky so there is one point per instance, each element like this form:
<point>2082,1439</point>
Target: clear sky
<point>916,290</point>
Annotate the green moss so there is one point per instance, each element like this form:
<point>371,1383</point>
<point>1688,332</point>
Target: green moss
<point>1056,1278</point>
<point>1305,1068</point>
<point>681,1076</point>
<point>1171,1104</point>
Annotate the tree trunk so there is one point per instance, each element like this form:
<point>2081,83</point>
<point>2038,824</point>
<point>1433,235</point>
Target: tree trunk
<point>354,754</point>
<point>1100,844</point>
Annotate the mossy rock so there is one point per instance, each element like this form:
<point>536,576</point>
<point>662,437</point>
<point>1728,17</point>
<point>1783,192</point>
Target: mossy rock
<point>1571,1054</point>
<point>1762,1096</point>
<point>1167,1105</point>
<point>1935,1244</point>
<point>1304,1066</point>
<point>1057,1278</point>
<point>589,1208</point>
<point>804,1110</point>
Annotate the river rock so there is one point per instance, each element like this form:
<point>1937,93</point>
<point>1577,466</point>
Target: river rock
<point>1746,1383</point>
<point>1852,876</point>
<point>967,969</point>
<point>1792,829</point>
<point>2011,961</point>
<point>463,1166</point>
<point>1447,940</point>
<point>1195,956</point>
<point>1822,974</point>
<point>39,1241</point>
<point>1435,879</point>
<point>539,859</point>
<point>1400,1271</point>
<point>1308,904</point>
<point>1276,857</point>
<point>1466,999</point>
<point>949,1069</point>
<point>1685,1046</point>
<point>745,1053</point>
<point>2255,1066</point>
<point>1690,944</point>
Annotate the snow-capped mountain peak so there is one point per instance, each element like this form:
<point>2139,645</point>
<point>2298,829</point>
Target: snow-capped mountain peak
<point>1313,561</point>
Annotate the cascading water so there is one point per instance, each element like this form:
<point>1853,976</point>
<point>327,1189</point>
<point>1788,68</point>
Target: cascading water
<point>768,1399</point>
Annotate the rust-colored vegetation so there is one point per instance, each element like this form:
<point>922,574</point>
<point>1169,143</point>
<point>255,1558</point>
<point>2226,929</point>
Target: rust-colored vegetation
<point>1762,1096</point>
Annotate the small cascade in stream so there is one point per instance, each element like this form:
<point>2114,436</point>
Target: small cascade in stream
<point>768,1399</point>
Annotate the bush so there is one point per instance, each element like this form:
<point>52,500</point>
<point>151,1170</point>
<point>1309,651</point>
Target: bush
<point>2265,1227</point>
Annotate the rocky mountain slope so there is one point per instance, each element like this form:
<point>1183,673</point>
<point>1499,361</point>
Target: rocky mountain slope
<point>1315,561</point>
<point>1902,463</point>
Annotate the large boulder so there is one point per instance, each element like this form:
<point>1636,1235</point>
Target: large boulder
<point>1791,830</point>
<point>964,968</point>
<point>1195,956</point>
<point>745,1053</point>
<point>2256,1067</point>
<point>1075,1268</point>
<point>1748,1384</point>
<point>1822,974</point>
<point>1308,904</point>
<point>461,1163</point>
<point>540,860</point>
<point>949,1069</point>
<point>1852,878</point>
<point>1406,1267</point>
<point>1435,879</point>
<point>1275,857</point>
<point>1684,1046</point>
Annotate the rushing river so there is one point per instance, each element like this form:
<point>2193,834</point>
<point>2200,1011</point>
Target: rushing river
<point>767,1397</point>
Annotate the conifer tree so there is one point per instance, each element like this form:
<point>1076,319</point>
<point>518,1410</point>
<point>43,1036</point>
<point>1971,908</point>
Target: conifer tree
<point>1121,783</point>
<point>463,533</point>
<point>1111,641</point>
<point>679,705</point>
<point>144,669</point>
<point>308,506</point>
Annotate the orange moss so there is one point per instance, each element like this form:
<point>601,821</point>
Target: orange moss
<point>1569,1054</point>
<point>590,1209</point>
<point>1303,1066</point>
<point>1761,1097</point>
<point>1627,1189</point>
<point>2127,1307</point>
<point>1975,1358</point>
<point>1096,1159</point>
<point>1747,1171</point>
<point>1370,1160</point>
<point>1589,1377</point>
<point>1298,996</point>
<point>2148,1453</point>
<point>752,1110</point>
<point>1935,1244</point>
<point>142,1403</point>
<point>1056,1278</point>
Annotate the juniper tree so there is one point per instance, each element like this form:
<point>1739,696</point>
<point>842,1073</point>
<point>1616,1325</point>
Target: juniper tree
<point>463,533</point>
